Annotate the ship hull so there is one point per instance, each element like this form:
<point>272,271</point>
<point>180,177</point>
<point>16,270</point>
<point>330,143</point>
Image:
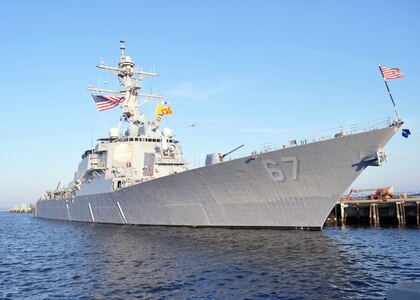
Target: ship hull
<point>294,187</point>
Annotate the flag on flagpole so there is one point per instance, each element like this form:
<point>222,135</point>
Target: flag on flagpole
<point>163,110</point>
<point>406,133</point>
<point>106,102</point>
<point>391,73</point>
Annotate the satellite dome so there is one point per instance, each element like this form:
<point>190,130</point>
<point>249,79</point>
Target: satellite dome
<point>133,130</point>
<point>167,132</point>
<point>113,133</point>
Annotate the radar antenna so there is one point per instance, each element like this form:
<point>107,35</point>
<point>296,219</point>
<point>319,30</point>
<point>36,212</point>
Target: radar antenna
<point>122,47</point>
<point>131,79</point>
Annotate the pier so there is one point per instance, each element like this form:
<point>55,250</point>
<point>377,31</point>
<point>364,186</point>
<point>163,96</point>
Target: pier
<point>398,211</point>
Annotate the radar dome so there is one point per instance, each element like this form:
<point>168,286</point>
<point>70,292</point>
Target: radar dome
<point>167,132</point>
<point>133,130</point>
<point>113,133</point>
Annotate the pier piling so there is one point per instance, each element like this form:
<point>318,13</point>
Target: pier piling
<point>374,214</point>
<point>377,212</point>
<point>343,212</point>
<point>400,212</point>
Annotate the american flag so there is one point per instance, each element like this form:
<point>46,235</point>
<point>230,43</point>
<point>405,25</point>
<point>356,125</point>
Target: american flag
<point>106,102</point>
<point>391,73</point>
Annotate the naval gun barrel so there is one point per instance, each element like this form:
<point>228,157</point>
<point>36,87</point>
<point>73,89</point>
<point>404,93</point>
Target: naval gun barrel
<point>224,155</point>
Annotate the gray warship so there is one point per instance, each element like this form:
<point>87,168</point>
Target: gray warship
<point>138,174</point>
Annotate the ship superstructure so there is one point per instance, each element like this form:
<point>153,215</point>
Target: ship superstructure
<point>138,174</point>
<point>135,152</point>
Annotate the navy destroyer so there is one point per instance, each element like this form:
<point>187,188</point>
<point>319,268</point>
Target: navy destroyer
<point>138,174</point>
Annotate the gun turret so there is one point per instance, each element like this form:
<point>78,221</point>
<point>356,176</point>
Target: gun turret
<point>231,151</point>
<point>215,158</point>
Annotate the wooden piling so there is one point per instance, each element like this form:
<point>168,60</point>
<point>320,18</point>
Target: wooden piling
<point>336,215</point>
<point>403,212</point>
<point>400,213</point>
<point>343,212</point>
<point>374,214</point>
<point>370,213</point>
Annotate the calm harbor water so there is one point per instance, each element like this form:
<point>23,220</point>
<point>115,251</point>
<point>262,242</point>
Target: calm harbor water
<point>44,259</point>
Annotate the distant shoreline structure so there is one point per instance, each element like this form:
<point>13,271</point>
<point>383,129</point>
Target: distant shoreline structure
<point>22,209</point>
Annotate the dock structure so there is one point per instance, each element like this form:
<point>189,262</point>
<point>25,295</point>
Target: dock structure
<point>376,212</point>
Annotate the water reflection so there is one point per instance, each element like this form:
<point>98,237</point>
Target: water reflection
<point>78,260</point>
<point>222,263</point>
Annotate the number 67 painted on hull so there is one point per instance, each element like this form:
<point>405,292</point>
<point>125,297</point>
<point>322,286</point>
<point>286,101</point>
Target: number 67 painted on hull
<point>273,168</point>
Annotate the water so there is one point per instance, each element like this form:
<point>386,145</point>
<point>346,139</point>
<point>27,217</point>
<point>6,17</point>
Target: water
<point>44,259</point>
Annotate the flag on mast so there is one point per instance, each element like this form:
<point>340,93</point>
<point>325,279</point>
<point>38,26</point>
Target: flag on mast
<point>406,133</point>
<point>163,110</point>
<point>106,102</point>
<point>390,73</point>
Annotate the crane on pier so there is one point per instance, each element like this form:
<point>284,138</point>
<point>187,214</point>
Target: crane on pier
<point>380,193</point>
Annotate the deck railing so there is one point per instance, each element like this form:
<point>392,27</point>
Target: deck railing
<point>317,136</point>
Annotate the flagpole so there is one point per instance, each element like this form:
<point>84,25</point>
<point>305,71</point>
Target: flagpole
<point>389,92</point>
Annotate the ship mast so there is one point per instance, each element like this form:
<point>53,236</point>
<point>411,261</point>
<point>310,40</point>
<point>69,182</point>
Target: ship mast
<point>131,78</point>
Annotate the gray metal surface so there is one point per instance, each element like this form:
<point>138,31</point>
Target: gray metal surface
<point>294,187</point>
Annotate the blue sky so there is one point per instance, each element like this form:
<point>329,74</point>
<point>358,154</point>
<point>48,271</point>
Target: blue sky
<point>247,72</point>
